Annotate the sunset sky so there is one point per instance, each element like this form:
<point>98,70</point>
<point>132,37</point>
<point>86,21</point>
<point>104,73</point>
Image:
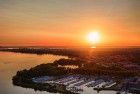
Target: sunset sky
<point>68,22</point>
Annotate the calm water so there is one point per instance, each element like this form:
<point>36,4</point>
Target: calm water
<point>10,63</point>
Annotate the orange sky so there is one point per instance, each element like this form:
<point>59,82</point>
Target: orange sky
<point>67,22</point>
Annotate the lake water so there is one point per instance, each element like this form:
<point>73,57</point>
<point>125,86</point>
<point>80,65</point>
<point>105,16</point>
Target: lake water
<point>10,63</point>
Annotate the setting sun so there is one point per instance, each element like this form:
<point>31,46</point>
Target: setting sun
<point>70,46</point>
<point>93,37</point>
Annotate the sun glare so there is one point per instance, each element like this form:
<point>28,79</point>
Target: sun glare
<point>93,37</point>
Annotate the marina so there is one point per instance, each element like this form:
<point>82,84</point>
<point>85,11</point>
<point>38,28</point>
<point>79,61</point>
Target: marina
<point>81,83</point>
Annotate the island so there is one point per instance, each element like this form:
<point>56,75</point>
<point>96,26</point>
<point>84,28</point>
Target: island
<point>68,77</point>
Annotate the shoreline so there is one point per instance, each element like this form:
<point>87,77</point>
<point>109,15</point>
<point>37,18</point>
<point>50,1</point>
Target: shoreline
<point>87,65</point>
